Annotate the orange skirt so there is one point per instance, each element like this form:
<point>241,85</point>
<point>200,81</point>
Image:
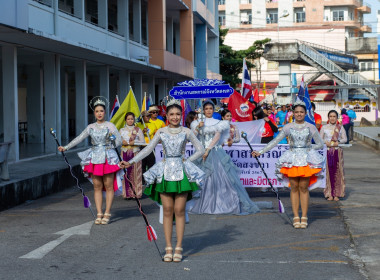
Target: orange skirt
<point>301,171</point>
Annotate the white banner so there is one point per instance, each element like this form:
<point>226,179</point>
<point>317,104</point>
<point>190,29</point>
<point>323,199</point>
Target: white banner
<point>251,174</point>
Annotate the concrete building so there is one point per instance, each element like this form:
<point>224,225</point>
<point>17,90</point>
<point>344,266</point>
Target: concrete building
<point>320,27</point>
<point>57,54</point>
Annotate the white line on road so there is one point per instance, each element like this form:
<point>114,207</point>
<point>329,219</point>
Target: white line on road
<point>279,262</point>
<point>42,251</point>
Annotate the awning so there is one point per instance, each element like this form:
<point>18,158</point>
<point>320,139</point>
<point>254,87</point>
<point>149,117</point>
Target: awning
<point>358,97</point>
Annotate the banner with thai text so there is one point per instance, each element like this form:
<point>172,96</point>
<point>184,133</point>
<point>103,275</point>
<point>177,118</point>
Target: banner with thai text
<point>251,175</point>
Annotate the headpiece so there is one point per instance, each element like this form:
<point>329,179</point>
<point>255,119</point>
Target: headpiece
<point>98,100</point>
<point>173,102</point>
<point>208,101</point>
<point>299,102</point>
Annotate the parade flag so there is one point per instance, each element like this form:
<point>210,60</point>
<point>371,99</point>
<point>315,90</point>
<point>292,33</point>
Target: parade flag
<point>144,105</point>
<point>240,107</point>
<point>265,89</point>
<point>115,107</point>
<point>149,101</point>
<point>246,86</point>
<point>256,96</point>
<point>303,95</point>
<point>129,105</point>
<point>186,108</point>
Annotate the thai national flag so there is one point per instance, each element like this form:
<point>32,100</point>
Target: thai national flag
<point>246,85</point>
<point>303,95</point>
<point>115,107</point>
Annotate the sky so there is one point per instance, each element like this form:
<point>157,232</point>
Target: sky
<point>371,19</point>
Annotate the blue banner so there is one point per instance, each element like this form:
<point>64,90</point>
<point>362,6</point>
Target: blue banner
<point>337,58</point>
<point>201,89</point>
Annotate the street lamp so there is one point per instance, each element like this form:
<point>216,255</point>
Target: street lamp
<point>285,14</point>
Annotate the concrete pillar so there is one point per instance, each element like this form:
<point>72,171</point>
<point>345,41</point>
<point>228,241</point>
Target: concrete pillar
<point>10,100</point>
<point>103,13</point>
<point>201,51</point>
<point>81,102</point>
<point>2,117</point>
<point>169,35</point>
<point>34,104</point>
<point>79,9</point>
<point>157,31</point>
<point>187,34</point>
<point>161,89</point>
<point>104,83</point>
<point>213,54</point>
<point>124,83</point>
<point>123,23</point>
<point>65,106</point>
<point>51,101</point>
<point>56,16</point>
<point>138,89</point>
<point>58,115</point>
<point>151,88</point>
<point>137,20</point>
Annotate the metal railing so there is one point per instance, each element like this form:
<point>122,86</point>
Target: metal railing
<point>333,69</point>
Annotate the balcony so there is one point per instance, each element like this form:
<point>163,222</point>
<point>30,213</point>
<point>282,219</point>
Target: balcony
<point>271,4</point>
<point>365,9</point>
<point>366,29</point>
<point>352,3</point>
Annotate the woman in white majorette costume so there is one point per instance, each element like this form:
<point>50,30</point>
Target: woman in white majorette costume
<point>301,166</point>
<point>223,192</point>
<point>172,180</point>
<point>100,162</point>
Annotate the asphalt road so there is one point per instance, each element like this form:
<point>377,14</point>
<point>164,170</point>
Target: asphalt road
<point>54,238</point>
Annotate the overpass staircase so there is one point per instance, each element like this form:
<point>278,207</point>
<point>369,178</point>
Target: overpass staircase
<point>308,52</point>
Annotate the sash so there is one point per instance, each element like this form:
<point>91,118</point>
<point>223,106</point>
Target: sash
<point>335,136</point>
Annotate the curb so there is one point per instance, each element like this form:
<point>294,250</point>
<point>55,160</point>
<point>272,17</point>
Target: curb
<point>374,143</point>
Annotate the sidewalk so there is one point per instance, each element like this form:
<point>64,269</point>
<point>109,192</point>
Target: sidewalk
<point>369,135</point>
<point>31,179</point>
<point>360,208</point>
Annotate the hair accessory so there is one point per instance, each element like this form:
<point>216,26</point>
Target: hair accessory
<point>98,100</point>
<point>299,102</point>
<point>208,101</point>
<point>173,102</point>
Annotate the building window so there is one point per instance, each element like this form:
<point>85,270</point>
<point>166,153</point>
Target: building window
<point>221,2</point>
<point>246,17</point>
<point>245,1</point>
<point>299,15</point>
<point>130,19</point>
<point>45,2</point>
<point>66,6</point>
<point>338,15</point>
<point>222,19</point>
<point>272,16</point>
<point>366,66</point>
<point>112,16</point>
<point>144,22</point>
<point>91,7</point>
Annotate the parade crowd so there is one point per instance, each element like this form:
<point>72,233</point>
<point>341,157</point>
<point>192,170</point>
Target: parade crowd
<point>208,181</point>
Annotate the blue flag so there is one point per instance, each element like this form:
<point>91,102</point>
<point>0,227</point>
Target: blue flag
<point>303,95</point>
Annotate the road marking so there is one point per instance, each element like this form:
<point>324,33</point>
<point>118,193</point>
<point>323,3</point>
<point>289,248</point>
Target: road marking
<point>331,248</point>
<point>2,230</point>
<point>21,215</point>
<point>42,251</point>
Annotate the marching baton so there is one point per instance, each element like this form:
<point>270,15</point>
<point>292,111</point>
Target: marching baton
<point>281,207</point>
<point>152,236</point>
<point>86,200</point>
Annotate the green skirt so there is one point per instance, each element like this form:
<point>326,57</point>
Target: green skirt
<point>176,187</point>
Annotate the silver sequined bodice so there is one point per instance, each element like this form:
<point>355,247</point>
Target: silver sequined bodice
<point>300,139</point>
<point>100,143</point>
<point>173,146</point>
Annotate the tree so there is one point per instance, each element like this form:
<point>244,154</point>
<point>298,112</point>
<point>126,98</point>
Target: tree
<point>231,61</point>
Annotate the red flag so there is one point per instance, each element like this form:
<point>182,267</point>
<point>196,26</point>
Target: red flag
<point>256,96</point>
<point>241,109</point>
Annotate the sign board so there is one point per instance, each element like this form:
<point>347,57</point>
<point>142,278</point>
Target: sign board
<point>201,89</point>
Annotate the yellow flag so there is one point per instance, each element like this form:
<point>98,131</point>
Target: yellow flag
<point>265,89</point>
<point>129,105</point>
<point>143,106</point>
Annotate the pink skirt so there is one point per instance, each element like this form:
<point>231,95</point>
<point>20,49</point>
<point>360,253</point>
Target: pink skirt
<point>102,169</point>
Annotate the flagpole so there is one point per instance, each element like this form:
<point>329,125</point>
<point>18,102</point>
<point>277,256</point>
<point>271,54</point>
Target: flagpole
<point>242,79</point>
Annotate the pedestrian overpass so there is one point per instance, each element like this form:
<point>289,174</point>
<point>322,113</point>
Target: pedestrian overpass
<point>334,63</point>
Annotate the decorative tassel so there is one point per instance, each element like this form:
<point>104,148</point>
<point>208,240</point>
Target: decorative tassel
<point>151,233</point>
<point>86,202</point>
<point>281,208</point>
